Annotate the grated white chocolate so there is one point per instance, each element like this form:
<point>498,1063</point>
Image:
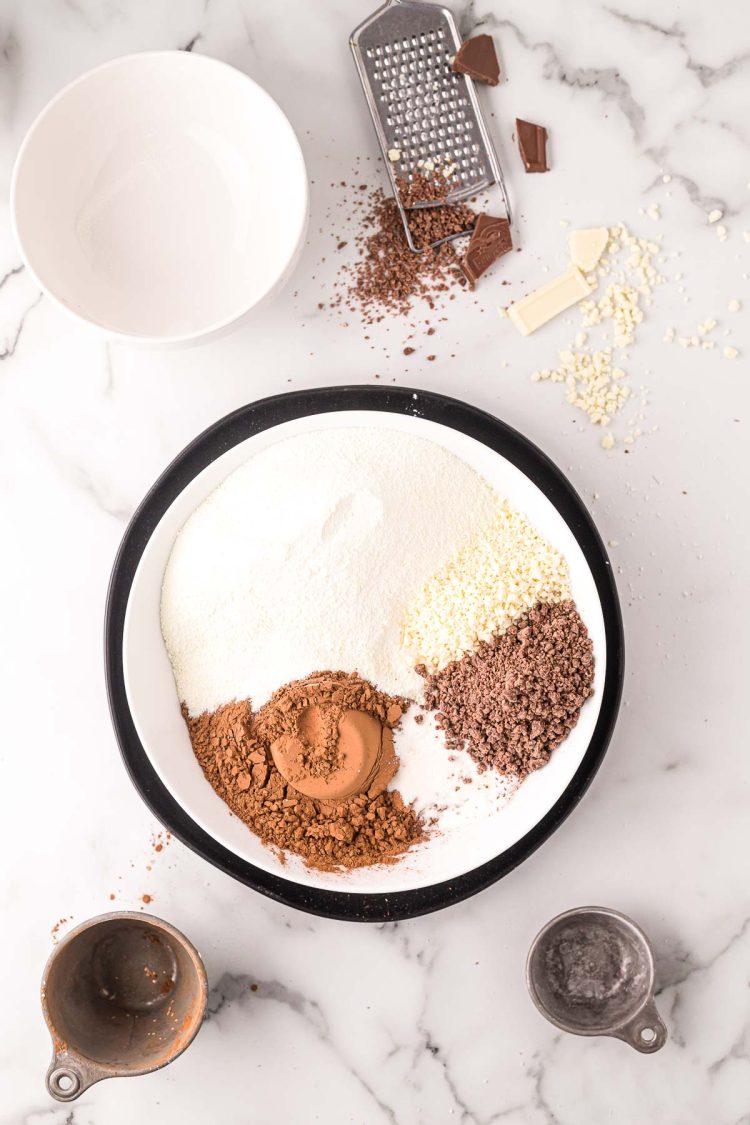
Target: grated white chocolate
<point>496,577</point>
<point>593,383</point>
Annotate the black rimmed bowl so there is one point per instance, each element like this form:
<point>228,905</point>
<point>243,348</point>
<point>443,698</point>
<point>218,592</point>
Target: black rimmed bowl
<point>145,711</point>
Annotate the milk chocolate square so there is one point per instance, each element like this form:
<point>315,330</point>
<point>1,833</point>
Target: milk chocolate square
<point>477,58</point>
<point>532,144</point>
<point>489,240</point>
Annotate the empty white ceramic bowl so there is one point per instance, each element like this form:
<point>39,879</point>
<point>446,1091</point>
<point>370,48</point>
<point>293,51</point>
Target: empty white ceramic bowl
<point>160,197</point>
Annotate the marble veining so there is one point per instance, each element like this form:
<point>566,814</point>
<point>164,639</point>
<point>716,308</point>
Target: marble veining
<point>424,1022</point>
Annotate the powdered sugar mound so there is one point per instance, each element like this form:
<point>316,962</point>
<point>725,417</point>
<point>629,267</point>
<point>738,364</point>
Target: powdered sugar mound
<point>305,559</point>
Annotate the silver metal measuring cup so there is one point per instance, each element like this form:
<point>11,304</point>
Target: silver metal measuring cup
<point>122,994</point>
<point>590,971</point>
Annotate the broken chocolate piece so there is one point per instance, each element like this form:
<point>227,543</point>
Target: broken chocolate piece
<point>477,58</point>
<point>489,240</point>
<point>587,247</point>
<point>532,144</point>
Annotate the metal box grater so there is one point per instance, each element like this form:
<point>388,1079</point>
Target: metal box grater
<point>419,105</point>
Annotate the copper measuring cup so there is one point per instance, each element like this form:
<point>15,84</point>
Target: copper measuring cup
<point>590,971</point>
<point>123,994</point>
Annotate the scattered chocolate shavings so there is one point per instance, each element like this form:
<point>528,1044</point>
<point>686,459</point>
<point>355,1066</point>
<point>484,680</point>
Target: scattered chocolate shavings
<point>514,699</point>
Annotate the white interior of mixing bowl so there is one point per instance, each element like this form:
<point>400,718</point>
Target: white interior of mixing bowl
<point>161,196</point>
<point>156,711</point>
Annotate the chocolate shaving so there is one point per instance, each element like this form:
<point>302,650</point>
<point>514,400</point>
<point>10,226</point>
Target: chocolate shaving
<point>422,188</point>
<point>477,58</point>
<point>532,144</point>
<point>515,698</point>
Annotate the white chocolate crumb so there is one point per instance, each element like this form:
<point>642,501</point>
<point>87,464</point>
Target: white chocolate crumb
<point>593,380</point>
<point>730,353</point>
<point>734,305</point>
<point>669,335</point>
<point>722,232</point>
<point>666,178</point>
<point>653,212</point>
<point>715,215</point>
<point>394,154</point>
<point>592,383</point>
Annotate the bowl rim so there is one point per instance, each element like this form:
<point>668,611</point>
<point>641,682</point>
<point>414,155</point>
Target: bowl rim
<point>264,414</point>
<point>116,334</point>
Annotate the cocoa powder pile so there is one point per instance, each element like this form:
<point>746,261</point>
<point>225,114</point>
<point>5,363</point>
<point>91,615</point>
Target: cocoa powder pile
<point>232,745</point>
<point>331,695</point>
<point>510,702</point>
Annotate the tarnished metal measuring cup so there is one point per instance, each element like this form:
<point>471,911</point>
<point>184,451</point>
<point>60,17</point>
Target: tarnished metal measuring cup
<point>122,994</point>
<point>590,971</point>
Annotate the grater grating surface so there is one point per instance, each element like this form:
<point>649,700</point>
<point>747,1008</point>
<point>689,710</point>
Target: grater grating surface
<point>419,105</point>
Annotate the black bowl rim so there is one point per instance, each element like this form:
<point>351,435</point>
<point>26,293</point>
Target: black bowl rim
<point>224,435</point>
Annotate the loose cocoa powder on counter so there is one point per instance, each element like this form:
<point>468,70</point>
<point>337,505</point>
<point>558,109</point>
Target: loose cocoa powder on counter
<point>232,747</point>
<point>510,702</point>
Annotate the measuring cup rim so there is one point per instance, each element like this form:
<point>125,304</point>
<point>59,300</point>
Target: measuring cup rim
<point>577,912</point>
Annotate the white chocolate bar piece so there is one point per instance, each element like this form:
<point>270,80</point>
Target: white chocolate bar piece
<point>587,247</point>
<point>555,297</point>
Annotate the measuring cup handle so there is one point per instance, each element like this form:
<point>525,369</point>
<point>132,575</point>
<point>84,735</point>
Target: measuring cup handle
<point>69,1075</point>
<point>646,1032</point>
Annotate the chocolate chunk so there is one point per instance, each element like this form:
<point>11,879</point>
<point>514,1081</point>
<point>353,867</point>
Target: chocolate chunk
<point>477,58</point>
<point>532,144</point>
<point>489,240</point>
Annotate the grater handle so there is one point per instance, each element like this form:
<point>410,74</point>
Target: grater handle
<point>497,172</point>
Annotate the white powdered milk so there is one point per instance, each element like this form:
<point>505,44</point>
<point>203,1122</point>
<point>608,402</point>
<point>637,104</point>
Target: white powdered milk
<point>306,558</point>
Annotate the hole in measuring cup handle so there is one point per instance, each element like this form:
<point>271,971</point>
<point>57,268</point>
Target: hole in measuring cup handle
<point>646,1032</point>
<point>64,1083</point>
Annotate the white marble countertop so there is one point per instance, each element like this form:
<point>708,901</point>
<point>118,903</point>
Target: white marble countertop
<point>425,1021</point>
